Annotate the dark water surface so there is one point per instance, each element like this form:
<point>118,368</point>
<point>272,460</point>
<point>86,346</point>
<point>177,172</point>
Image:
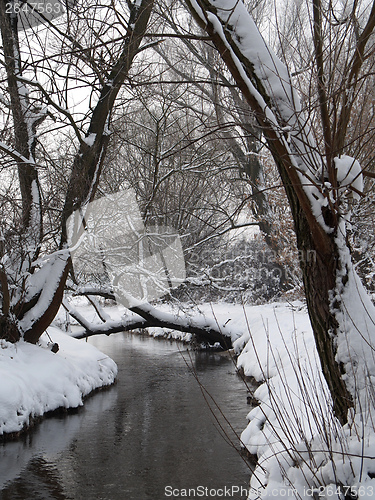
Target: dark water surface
<point>150,431</point>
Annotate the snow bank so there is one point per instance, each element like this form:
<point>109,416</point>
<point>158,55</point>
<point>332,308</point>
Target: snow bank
<point>303,452</point>
<point>35,380</point>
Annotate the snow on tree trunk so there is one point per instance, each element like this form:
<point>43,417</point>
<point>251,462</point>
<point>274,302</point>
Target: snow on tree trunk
<point>320,210</point>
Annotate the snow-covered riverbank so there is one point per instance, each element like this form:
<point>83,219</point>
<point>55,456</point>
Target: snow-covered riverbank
<point>34,380</point>
<point>303,452</point>
<point>299,444</point>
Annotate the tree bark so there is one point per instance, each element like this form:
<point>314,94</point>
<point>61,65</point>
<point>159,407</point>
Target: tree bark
<point>319,271</point>
<point>316,240</point>
<point>24,120</point>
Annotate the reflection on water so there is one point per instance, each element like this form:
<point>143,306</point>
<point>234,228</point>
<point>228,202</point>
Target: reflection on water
<point>151,430</point>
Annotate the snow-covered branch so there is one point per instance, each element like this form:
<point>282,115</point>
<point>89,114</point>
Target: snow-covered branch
<point>15,154</point>
<point>144,315</point>
<point>108,327</point>
<point>53,104</point>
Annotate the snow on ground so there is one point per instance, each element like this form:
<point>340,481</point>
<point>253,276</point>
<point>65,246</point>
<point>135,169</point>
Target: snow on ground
<point>302,451</point>
<point>34,380</point>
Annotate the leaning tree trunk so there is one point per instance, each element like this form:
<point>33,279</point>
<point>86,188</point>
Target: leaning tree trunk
<point>34,302</point>
<point>319,224</point>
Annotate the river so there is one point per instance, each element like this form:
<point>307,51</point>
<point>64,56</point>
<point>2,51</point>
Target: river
<point>151,436</point>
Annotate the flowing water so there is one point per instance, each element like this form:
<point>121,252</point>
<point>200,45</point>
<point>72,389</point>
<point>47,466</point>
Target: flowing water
<point>150,436</point>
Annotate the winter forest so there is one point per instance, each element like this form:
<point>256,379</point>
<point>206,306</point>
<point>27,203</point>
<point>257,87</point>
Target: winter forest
<point>198,170</point>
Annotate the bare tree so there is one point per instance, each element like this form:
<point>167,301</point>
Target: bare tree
<point>48,68</point>
<point>212,83</point>
<point>317,177</point>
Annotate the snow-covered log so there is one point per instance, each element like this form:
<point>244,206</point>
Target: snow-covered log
<point>207,330</point>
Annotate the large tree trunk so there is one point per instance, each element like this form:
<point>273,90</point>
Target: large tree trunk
<point>320,266</point>
<point>317,209</point>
